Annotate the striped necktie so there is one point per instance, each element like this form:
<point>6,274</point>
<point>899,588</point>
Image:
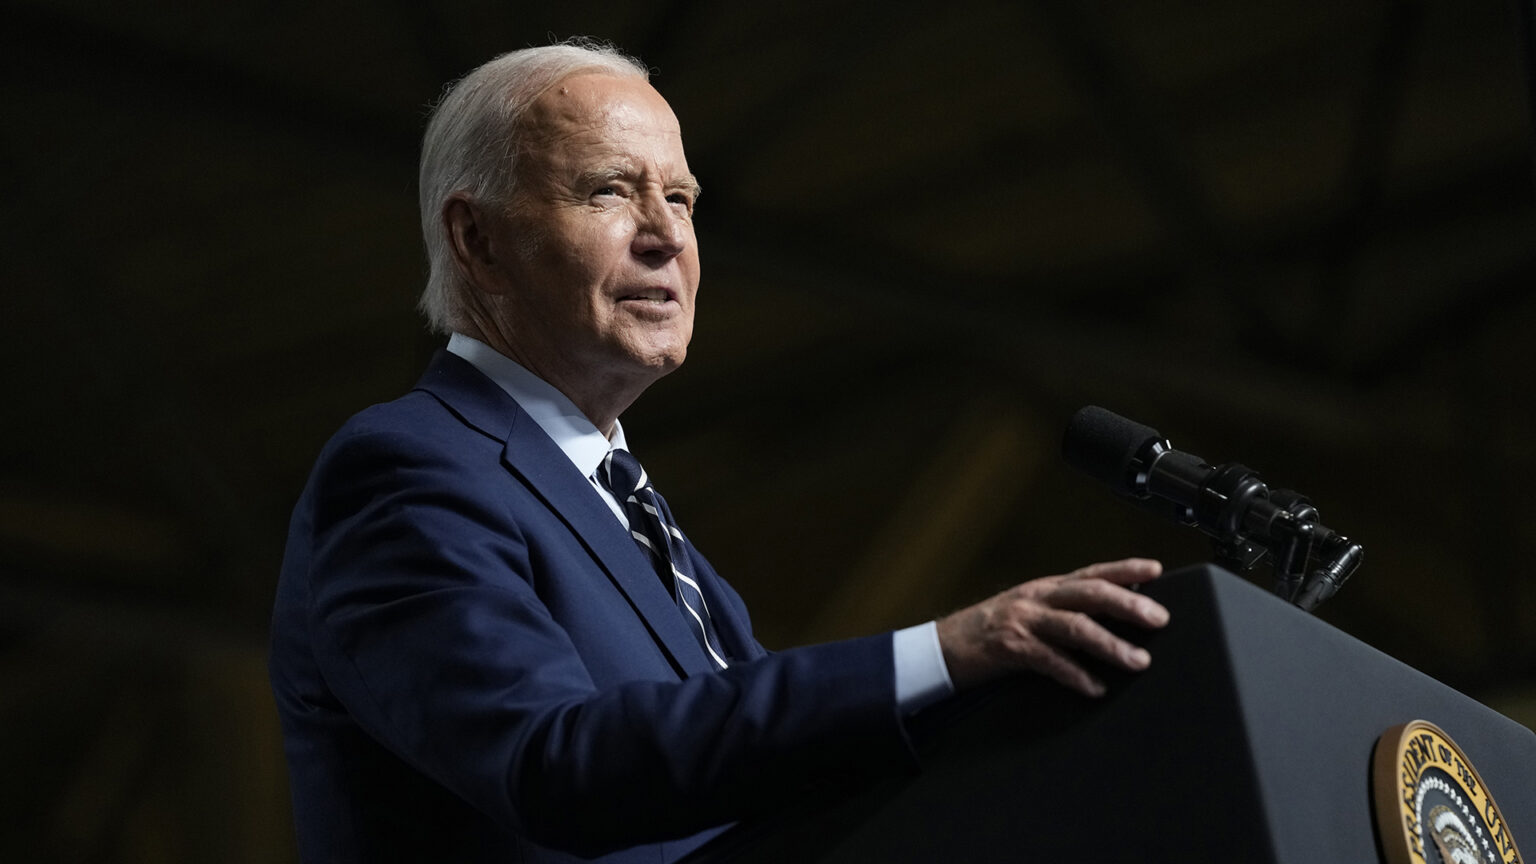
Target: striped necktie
<point>650,523</point>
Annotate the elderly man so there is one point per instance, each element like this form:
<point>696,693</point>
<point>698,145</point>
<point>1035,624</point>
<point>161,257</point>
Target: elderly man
<point>490,641</point>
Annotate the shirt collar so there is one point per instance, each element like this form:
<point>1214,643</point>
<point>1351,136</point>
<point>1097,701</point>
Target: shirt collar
<point>556,414</point>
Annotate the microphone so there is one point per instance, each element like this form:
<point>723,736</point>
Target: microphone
<point>1247,520</point>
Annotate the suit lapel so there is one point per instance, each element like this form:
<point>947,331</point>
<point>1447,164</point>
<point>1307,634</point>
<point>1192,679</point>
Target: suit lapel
<point>533,457</point>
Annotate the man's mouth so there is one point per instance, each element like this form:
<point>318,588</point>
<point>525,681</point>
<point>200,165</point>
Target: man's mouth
<point>650,295</point>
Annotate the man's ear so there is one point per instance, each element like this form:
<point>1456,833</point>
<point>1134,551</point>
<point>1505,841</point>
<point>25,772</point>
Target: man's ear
<point>470,242</point>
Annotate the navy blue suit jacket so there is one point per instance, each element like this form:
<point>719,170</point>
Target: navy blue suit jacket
<point>473,661</point>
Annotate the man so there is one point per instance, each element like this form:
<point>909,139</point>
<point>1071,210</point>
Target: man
<point>473,657</point>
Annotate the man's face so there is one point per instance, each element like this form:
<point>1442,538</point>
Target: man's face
<point>600,281</point>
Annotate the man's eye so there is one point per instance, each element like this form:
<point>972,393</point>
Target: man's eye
<point>682,198</point>
<point>606,190</point>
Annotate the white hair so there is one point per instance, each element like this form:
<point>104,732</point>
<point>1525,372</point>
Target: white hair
<point>473,140</point>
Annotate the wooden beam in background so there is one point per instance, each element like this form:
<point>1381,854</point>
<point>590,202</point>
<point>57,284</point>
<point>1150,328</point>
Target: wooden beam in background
<point>959,496</point>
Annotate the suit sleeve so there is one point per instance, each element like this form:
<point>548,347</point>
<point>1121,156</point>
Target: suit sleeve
<point>427,626</point>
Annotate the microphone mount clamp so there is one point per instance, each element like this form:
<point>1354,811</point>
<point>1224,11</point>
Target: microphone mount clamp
<point>1247,521</point>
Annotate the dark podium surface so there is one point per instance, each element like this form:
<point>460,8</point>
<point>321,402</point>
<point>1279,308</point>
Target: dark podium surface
<point>1248,740</point>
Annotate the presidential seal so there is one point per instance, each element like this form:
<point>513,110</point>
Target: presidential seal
<point>1431,805</point>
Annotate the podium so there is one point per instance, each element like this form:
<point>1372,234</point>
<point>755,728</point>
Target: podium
<point>1249,740</point>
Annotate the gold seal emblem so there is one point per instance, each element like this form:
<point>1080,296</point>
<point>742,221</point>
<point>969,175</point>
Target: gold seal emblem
<point>1431,805</point>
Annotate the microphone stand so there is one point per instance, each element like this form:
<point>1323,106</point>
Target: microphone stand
<point>1287,531</point>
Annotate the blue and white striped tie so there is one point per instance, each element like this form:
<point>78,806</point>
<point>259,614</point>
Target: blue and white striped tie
<point>650,523</point>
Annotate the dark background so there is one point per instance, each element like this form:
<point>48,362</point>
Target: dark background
<point>1298,234</point>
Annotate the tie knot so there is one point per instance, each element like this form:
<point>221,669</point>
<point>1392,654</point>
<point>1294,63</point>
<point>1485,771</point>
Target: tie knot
<point>623,473</point>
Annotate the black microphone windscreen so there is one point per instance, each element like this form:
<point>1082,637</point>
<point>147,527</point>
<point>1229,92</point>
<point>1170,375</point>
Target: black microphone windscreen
<point>1102,444</point>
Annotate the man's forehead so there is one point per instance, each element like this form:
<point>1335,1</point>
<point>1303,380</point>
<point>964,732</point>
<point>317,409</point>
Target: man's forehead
<point>598,101</point>
<point>601,122</point>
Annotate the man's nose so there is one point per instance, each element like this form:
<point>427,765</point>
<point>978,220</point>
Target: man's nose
<point>660,231</point>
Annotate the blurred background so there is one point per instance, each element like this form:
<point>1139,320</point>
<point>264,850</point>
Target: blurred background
<point>1299,234</point>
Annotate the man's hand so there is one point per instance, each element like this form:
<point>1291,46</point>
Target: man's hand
<point>1042,625</point>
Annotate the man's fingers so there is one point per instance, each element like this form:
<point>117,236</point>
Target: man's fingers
<point>1100,597</point>
<point>1060,668</point>
<point>1077,632</point>
<point>1126,571</point>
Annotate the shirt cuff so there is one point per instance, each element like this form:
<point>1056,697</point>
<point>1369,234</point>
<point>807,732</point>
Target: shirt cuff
<point>921,676</point>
